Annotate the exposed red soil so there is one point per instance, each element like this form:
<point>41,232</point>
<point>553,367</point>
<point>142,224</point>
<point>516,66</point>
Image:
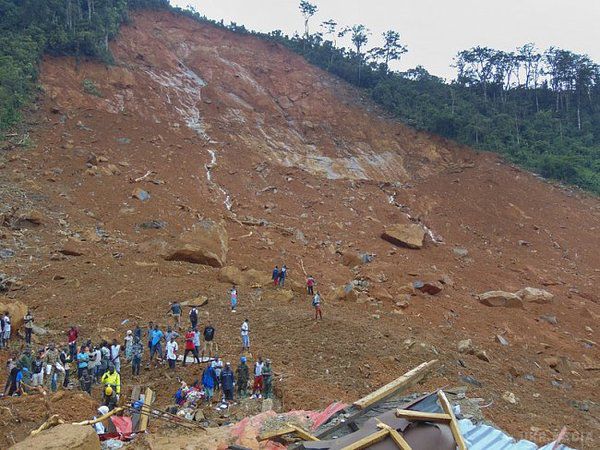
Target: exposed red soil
<point>335,160</point>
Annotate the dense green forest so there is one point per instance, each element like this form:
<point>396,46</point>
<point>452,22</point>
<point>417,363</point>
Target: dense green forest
<point>539,108</point>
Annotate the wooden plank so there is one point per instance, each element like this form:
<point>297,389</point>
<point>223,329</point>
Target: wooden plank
<point>276,433</point>
<point>368,440</point>
<point>422,416</point>
<point>303,433</point>
<point>407,380</point>
<point>135,417</point>
<point>453,423</point>
<point>146,409</point>
<point>101,418</point>
<point>396,437</point>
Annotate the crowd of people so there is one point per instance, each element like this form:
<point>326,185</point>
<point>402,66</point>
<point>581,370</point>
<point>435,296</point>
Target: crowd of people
<point>81,362</point>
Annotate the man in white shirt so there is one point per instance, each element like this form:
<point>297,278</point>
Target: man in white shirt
<point>245,332</point>
<point>172,349</point>
<point>115,353</point>
<point>5,330</point>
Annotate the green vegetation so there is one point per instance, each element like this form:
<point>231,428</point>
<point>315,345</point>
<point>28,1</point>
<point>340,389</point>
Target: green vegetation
<point>89,87</point>
<point>541,109</point>
<point>30,28</point>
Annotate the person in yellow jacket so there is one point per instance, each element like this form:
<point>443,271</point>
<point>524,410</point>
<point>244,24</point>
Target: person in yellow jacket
<point>112,378</point>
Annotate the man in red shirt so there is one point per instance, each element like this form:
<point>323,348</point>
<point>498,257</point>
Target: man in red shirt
<point>189,346</point>
<point>72,336</point>
<point>310,284</point>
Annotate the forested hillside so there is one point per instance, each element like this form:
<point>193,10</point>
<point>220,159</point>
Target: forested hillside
<point>540,108</point>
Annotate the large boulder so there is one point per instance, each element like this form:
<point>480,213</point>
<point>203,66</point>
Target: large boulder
<point>16,311</point>
<point>347,293</point>
<point>206,243</point>
<point>250,277</point>
<point>534,295</point>
<point>351,259</point>
<point>73,437</point>
<point>500,299</point>
<point>411,235</point>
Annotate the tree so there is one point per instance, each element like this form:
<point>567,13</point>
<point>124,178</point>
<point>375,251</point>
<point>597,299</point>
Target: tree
<point>359,36</point>
<point>392,49</point>
<point>308,10</point>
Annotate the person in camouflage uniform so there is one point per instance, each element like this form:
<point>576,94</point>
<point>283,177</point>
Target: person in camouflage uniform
<point>267,374</point>
<point>243,374</point>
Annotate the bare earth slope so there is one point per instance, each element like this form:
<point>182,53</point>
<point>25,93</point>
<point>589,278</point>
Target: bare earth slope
<point>239,129</point>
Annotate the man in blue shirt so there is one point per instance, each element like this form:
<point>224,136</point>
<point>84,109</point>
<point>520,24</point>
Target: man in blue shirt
<point>155,344</point>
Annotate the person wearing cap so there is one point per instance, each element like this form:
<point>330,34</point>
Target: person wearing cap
<point>243,374</point>
<point>112,379</point>
<point>209,381</point>
<point>227,382</point>
<point>245,333</point>
<point>99,426</point>
<point>128,344</point>
<point>267,375</point>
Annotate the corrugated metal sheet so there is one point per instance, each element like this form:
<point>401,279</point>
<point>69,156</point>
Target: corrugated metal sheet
<point>485,437</point>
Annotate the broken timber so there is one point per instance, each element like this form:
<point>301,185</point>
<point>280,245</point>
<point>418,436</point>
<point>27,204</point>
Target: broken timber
<point>418,416</point>
<point>288,429</point>
<point>404,382</point>
<point>453,423</point>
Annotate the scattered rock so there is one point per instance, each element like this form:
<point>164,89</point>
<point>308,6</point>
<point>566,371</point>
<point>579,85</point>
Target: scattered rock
<point>381,293</point>
<point>72,248</point>
<point>140,194</point>
<point>299,237</point>
<point>428,287</point>
<point>500,299</point>
<point>61,437</point>
<point>124,140</point>
<point>153,225</point>
<point>26,219</point>
<point>16,310</point>
<point>7,253</point>
<point>501,340</point>
<point>267,405</point>
<point>206,243</point>
<point>528,377</point>
<point>509,397</point>
<point>550,319</point>
<point>471,380</point>
<point>347,293</point>
<point>402,304</point>
<point>460,252</point>
<point>411,235</point>
<point>466,346</point>
<point>515,371</point>
<point>250,277</point>
<point>552,361</point>
<point>534,295</point>
<point>279,295</point>
<point>351,259</point>
<point>482,355</point>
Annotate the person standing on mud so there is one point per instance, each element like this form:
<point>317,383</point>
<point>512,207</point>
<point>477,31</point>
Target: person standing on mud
<point>28,319</point>
<point>234,298</point>
<point>175,311</point>
<point>209,336</point>
<point>197,340</point>
<point>149,333</point>
<point>310,285</point>
<point>37,370</point>
<point>275,276</point>
<point>243,374</point>
<point>190,347</point>
<point>155,344</point>
<point>267,375</point>
<point>209,381</point>
<point>53,375</point>
<point>137,350</point>
<point>128,344</point>
<point>193,317</point>
<point>172,347</point>
<point>245,333</point>
<point>115,355</point>
<point>282,275</point>
<point>227,382</point>
<point>316,302</point>
<point>258,378</point>
<point>6,329</point>
<point>72,335</point>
